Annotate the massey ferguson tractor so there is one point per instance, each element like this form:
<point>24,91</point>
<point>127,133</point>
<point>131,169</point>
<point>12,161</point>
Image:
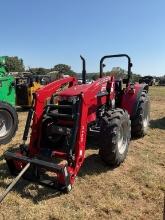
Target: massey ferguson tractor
<point>63,115</point>
<point>8,114</point>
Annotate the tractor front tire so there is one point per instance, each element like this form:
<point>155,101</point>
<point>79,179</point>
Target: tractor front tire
<point>8,122</point>
<point>115,136</point>
<point>140,122</point>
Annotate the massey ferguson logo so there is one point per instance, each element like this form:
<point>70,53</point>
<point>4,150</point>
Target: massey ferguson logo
<point>82,134</point>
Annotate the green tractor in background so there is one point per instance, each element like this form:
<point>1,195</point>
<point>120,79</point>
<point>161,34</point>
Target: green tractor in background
<point>8,114</point>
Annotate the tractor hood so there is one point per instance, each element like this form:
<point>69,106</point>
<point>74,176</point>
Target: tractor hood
<point>75,90</point>
<point>89,91</point>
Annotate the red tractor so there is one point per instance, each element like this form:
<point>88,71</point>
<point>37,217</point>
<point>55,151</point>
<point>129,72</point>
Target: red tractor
<point>64,113</point>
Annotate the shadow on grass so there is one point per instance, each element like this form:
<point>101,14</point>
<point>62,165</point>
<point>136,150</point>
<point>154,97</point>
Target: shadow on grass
<point>1,157</point>
<point>22,109</point>
<point>93,164</point>
<point>158,123</point>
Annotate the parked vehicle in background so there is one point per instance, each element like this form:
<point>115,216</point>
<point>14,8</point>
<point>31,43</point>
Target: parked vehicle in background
<point>8,114</point>
<point>26,86</point>
<point>150,80</point>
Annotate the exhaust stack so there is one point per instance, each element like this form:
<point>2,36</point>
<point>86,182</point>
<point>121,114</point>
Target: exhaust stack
<point>83,70</point>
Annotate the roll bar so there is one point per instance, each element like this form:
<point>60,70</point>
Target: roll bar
<point>113,56</point>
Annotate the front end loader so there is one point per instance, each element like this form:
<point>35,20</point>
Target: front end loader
<point>63,118</point>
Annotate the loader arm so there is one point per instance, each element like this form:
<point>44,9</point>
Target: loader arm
<point>41,97</point>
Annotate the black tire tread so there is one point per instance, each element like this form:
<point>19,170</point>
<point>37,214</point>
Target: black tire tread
<point>137,129</point>
<point>108,149</point>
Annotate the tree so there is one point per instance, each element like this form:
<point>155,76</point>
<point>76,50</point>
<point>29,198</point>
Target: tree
<point>15,64</point>
<point>117,72</point>
<point>120,73</point>
<point>135,77</point>
<point>71,73</point>
<point>95,76</point>
<point>39,71</point>
<point>62,68</point>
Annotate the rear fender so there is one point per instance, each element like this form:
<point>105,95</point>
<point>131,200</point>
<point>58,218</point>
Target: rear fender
<point>131,97</point>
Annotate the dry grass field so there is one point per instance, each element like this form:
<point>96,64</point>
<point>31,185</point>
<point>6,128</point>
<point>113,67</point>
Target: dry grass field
<point>134,190</point>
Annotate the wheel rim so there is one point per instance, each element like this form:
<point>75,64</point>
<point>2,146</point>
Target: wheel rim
<point>145,117</point>
<point>5,123</point>
<point>145,122</point>
<point>122,140</point>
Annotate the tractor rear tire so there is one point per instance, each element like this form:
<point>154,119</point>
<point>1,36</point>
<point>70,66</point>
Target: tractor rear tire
<point>115,136</point>
<point>8,122</point>
<point>140,123</point>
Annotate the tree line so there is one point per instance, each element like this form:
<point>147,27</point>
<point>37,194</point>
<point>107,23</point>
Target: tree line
<point>16,64</point>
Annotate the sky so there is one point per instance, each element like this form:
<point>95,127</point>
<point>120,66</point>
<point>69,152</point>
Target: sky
<point>47,32</point>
